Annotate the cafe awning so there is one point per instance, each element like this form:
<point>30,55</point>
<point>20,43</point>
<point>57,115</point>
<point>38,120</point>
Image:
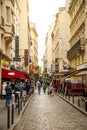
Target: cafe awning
<point>62,73</point>
<point>26,75</point>
<point>11,75</point>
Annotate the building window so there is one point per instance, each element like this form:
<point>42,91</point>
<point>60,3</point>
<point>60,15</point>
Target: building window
<point>7,14</point>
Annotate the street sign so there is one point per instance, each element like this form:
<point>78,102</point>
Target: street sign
<point>17,59</point>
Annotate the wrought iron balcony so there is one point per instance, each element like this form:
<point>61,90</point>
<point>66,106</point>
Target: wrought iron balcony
<point>79,46</point>
<point>2,21</point>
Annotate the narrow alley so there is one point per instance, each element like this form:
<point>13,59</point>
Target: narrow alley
<point>51,113</point>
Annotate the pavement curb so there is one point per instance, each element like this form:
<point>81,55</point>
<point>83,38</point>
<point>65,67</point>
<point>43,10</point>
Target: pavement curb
<point>75,106</point>
<point>21,114</point>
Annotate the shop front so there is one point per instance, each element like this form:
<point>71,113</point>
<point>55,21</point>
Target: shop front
<point>83,73</point>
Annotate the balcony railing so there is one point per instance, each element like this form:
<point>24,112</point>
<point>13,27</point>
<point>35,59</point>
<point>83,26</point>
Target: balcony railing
<point>2,21</point>
<point>80,45</point>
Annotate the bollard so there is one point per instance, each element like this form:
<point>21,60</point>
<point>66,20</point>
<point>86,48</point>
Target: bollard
<point>24,102</point>
<point>21,105</point>
<point>24,98</point>
<point>65,96</point>
<point>19,94</point>
<point>12,121</point>
<point>8,117</point>
<point>79,102</point>
<point>69,97</point>
<point>86,105</point>
<point>73,98</point>
<point>18,106</point>
<point>12,117</point>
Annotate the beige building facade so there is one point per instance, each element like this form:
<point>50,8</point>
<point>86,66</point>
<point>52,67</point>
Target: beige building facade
<point>48,47</point>
<point>60,39</point>
<point>24,34</point>
<point>6,33</point>
<point>34,46</point>
<point>77,54</point>
<point>47,59</point>
<point>16,42</point>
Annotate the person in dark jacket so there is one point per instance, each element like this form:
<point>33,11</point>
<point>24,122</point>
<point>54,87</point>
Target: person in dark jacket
<point>28,86</point>
<point>8,94</point>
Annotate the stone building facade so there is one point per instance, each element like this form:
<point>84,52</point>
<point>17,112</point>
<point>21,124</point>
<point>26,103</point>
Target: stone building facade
<point>77,54</point>
<point>60,40</point>
<point>24,34</point>
<point>34,46</point>
<point>6,33</point>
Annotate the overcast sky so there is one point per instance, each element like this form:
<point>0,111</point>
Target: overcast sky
<point>41,13</point>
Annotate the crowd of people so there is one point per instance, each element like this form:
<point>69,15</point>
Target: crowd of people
<point>9,88</point>
<point>45,86</point>
<point>16,88</point>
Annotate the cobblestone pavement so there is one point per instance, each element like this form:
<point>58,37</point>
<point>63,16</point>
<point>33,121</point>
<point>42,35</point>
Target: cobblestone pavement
<point>51,113</point>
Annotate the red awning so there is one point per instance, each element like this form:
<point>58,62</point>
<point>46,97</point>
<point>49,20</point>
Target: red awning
<point>10,74</point>
<point>26,75</point>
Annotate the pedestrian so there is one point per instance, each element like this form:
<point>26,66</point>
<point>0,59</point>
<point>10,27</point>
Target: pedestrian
<point>50,89</point>
<point>3,89</point>
<point>44,87</point>
<point>28,86</point>
<point>17,89</point>
<point>8,93</point>
<point>39,86</point>
<point>66,90</point>
<point>21,86</point>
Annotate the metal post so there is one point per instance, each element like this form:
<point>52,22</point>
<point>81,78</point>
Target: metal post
<point>12,114</point>
<point>13,99</point>
<point>18,106</point>
<point>69,97</point>
<point>73,98</point>
<point>8,117</point>
<point>24,102</point>
<point>61,93</point>
<point>24,96</point>
<point>79,102</point>
<point>65,96</point>
<point>21,104</point>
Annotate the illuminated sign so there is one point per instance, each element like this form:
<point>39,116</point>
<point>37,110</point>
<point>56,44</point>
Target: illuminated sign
<point>26,57</point>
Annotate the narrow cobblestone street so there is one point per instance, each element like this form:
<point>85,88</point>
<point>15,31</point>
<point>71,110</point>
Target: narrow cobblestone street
<point>51,113</point>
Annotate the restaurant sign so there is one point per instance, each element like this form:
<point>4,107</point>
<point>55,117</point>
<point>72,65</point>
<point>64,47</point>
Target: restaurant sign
<point>26,57</point>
